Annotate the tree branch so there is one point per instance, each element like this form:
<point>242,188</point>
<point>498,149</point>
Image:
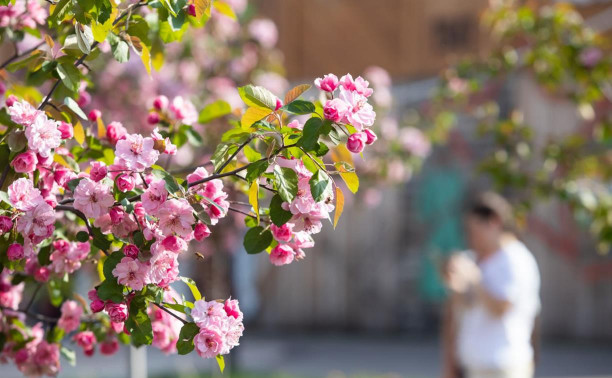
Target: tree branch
<point>18,55</point>
<point>249,139</point>
<point>171,313</point>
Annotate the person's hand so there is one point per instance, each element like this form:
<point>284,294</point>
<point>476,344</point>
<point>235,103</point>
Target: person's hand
<point>461,273</point>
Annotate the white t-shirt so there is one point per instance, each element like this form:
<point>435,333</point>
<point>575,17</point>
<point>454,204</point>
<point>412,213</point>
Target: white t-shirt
<point>489,342</point>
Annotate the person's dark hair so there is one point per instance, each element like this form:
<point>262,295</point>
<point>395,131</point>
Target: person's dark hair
<point>488,206</point>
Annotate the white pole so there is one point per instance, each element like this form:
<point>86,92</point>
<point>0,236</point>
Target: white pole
<point>138,362</point>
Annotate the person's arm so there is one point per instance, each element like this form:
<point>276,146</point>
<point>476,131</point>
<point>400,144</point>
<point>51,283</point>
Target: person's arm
<point>450,365</point>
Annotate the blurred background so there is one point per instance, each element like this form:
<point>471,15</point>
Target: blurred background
<point>366,301</point>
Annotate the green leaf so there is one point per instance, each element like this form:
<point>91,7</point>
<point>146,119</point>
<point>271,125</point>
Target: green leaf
<point>171,185</point>
<point>120,48</point>
<point>43,255</point>
<point>72,184</point>
<point>220,362</point>
<point>82,236</point>
<point>138,322</point>
<point>111,262</point>
<point>100,240</point>
<point>72,105</point>
<point>320,186</point>
<point>220,153</point>
<point>192,286</point>
<point>184,344</point>
<point>168,5</point>
<point>192,136</point>
<point>257,240</point>
<point>258,97</point>
<point>299,107</point>
<point>286,182</point>
<point>69,75</point>
<point>85,37</point>
<point>310,137</point>
<point>278,215</point>
<point>214,110</point>
<point>110,290</point>
<point>69,355</point>
<point>61,8</point>
<point>255,170</point>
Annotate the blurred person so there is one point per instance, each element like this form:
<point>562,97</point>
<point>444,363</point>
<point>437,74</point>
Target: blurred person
<point>491,314</point>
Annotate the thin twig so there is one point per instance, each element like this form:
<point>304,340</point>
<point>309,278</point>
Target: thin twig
<point>171,313</point>
<point>31,302</point>
<point>4,174</point>
<point>242,212</point>
<point>249,139</point>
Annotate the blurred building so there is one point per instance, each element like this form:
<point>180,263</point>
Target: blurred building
<point>379,269</point>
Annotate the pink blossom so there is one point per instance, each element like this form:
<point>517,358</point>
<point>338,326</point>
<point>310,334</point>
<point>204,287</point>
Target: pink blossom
<point>136,152</point>
<point>201,232</point>
<point>25,162</point>
<point>360,113</point>
<point>164,268</point>
<point>295,124</point>
<point>45,359</point>
<point>356,142</point>
<point>209,342</point>
<point>118,312</point>
<point>371,136</point>
<point>43,135</point>
<point>414,141</point>
<point>115,132</point>
<point>183,110</point>
<point>62,176</point>
<point>68,260</point>
<point>176,216</point>
<point>66,130</point>
<point>153,118</point>
<point>98,171</point>
<point>10,295</point>
<point>94,115</point>
<point>174,244</point>
<point>328,83</point>
<point>359,85</point>
<point>6,224</point>
<point>131,250</point>
<point>209,313</point>
<point>335,109</point>
<point>168,147</point>
<point>264,31</point>
<point>15,252</point>
<point>116,214</point>
<point>310,222</point>
<point>86,340</point>
<point>232,309</point>
<point>71,316</point>
<point>282,254</point>
<point>160,102</point>
<point>131,272</point>
<point>93,198</point>
<point>96,304</point>
<point>42,274</point>
<point>36,220</point>
<point>109,347</point>
<point>302,240</point>
<point>197,175</point>
<point>23,113</point>
<point>283,233</point>
<point>125,183</point>
<point>154,196</point>
<point>303,202</point>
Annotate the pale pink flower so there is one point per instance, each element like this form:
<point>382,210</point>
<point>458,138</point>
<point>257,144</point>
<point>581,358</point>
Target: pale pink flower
<point>136,152</point>
<point>282,254</point>
<point>10,295</point>
<point>295,124</point>
<point>264,31</point>
<point>414,141</point>
<point>25,162</point>
<point>23,195</point>
<point>302,240</point>
<point>356,142</point>
<point>283,233</point>
<point>98,171</point>
<point>131,272</point>
<point>93,198</point>
<point>335,110</point>
<point>303,202</point>
<point>197,175</point>
<point>183,110</point>
<point>154,196</point>
<point>37,221</point>
<point>23,113</point>
<point>176,216</point>
<point>169,148</point>
<point>209,342</point>
<point>117,312</point>
<point>163,268</point>
<point>43,135</point>
<point>359,85</point>
<point>206,313</point>
<point>115,132</point>
<point>360,113</point>
<point>46,359</point>
<point>71,316</point>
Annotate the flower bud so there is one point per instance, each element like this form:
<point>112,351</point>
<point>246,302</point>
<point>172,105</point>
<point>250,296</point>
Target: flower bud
<point>160,102</point>
<point>356,142</point>
<point>25,162</point>
<point>279,104</point>
<point>131,250</point>
<point>153,118</point>
<point>10,100</point>
<point>370,136</point>
<point>335,109</point>
<point>201,232</point>
<point>191,10</point>
<point>117,312</point>
<point>109,347</point>
<point>98,171</point>
<point>125,183</point>
<point>328,83</point>
<point>15,252</point>
<point>42,274</point>
<point>174,244</point>
<point>116,215</point>
<point>94,115</point>
<point>66,129</point>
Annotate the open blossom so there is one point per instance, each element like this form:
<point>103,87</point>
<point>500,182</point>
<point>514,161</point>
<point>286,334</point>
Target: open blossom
<point>115,132</point>
<point>335,109</point>
<point>6,224</point>
<point>68,259</point>
<point>22,194</point>
<point>201,232</point>
<point>282,254</point>
<point>232,309</point>
<point>136,152</point>
<point>37,222</point>
<point>93,198</point>
<point>360,113</point>
<point>154,196</point>
<point>206,313</point>
<point>359,85</point>
<point>131,272</point>
<point>71,316</point>
<point>264,31</point>
<point>43,135</point>
<point>283,233</point>
<point>163,268</point>
<point>23,113</point>
<point>176,216</point>
<point>209,342</point>
<point>10,295</point>
<point>98,171</point>
<point>43,360</point>
<point>86,340</point>
<point>183,110</point>
<point>117,312</point>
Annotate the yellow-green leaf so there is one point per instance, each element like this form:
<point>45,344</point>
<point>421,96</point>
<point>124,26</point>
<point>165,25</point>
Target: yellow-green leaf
<point>339,205</point>
<point>221,362</point>
<point>60,160</point>
<point>350,178</point>
<point>202,7</point>
<point>100,31</point>
<point>79,133</point>
<point>252,115</point>
<point>145,56</point>
<point>101,128</point>
<point>254,197</point>
<point>225,9</point>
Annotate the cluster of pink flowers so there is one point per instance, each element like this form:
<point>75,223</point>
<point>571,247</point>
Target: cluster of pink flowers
<point>178,110</point>
<point>37,357</point>
<point>351,107</point>
<point>67,256</point>
<point>220,326</point>
<point>22,14</point>
<point>166,328</point>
